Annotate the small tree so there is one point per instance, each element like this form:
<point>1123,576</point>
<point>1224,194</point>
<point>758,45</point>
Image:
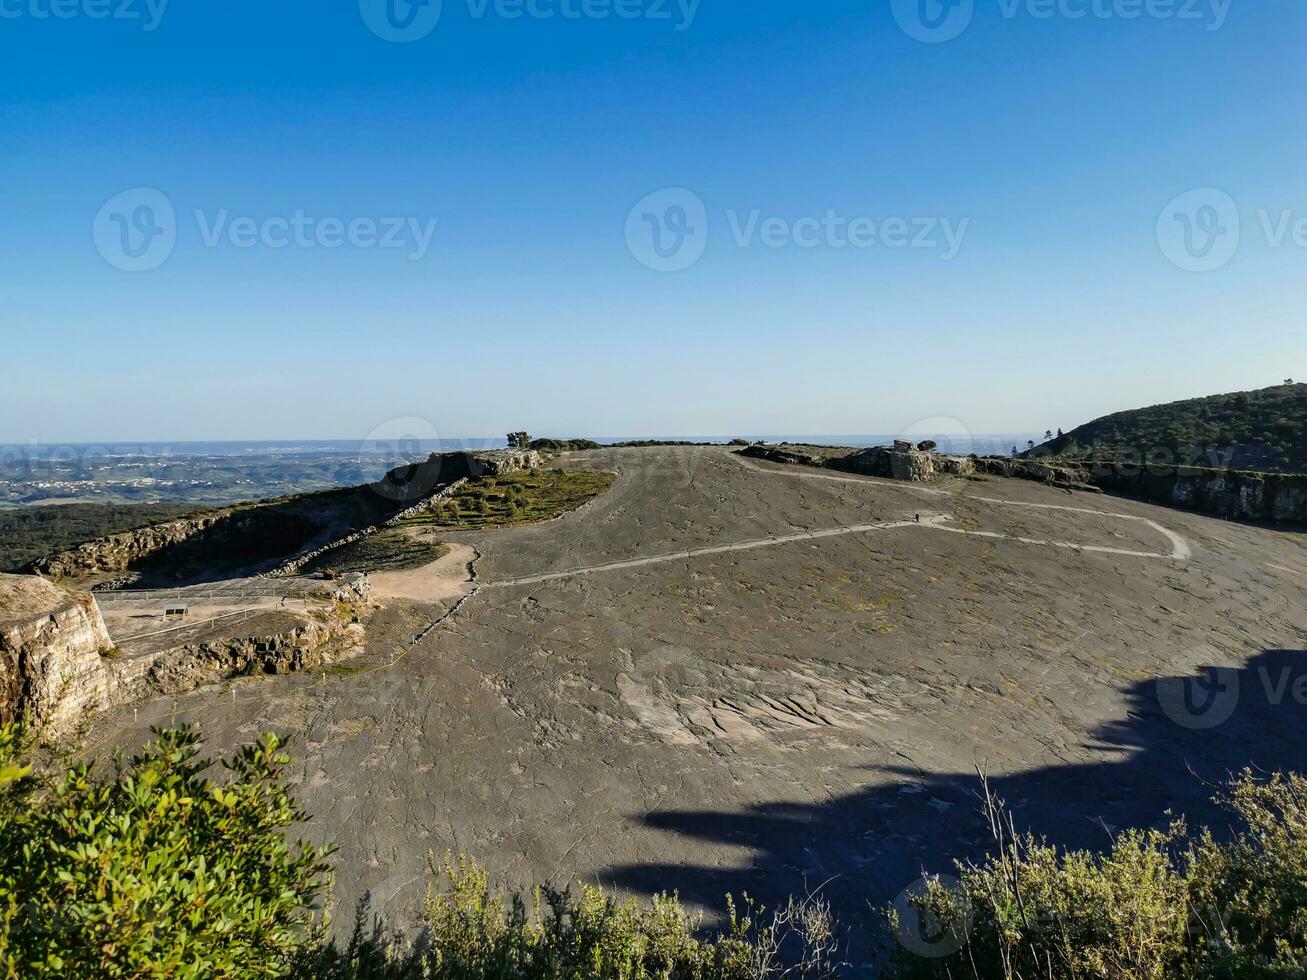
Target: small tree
<point>1048,435</point>
<point>519,440</point>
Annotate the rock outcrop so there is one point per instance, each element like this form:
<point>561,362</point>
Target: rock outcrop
<point>51,639</point>
<point>54,670</point>
<point>1274,498</point>
<point>118,552</point>
<point>255,538</point>
<point>286,645</point>
<point>903,461</point>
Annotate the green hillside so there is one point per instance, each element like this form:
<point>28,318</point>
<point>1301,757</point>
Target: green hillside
<point>1251,430</point>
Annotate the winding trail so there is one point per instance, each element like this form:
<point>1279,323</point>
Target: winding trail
<point>1180,549</point>
<point>685,555</point>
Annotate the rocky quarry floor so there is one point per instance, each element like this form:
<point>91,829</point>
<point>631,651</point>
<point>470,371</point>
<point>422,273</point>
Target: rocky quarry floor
<point>732,675</point>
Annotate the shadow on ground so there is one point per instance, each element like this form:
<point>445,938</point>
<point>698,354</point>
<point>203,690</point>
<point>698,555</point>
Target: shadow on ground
<point>1183,735</point>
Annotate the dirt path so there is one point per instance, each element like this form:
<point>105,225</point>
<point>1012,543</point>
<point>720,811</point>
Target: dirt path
<point>1180,549</point>
<point>446,578</point>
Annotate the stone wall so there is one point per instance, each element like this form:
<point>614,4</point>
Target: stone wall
<point>297,564</point>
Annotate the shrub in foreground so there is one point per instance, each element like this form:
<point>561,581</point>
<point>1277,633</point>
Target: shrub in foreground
<point>154,871</point>
<point>1157,904</point>
<point>158,870</point>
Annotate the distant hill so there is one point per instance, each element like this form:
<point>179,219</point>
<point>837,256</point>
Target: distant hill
<point>1250,430</point>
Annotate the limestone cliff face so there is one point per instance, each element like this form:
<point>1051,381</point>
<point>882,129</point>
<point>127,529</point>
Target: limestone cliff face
<point>51,670</point>
<point>1270,497</point>
<point>117,552</point>
<point>280,649</point>
<point>53,673</point>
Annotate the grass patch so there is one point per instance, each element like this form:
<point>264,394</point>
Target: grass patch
<point>350,668</point>
<point>516,498</point>
<point>391,550</point>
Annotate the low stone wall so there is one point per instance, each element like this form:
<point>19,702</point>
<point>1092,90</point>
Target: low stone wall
<point>297,564</point>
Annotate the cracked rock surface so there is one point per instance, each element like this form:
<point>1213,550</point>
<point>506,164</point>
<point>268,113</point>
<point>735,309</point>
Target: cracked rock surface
<point>801,711</point>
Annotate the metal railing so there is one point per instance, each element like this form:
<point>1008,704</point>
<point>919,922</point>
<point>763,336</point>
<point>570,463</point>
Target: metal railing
<point>210,622</point>
<point>193,594</point>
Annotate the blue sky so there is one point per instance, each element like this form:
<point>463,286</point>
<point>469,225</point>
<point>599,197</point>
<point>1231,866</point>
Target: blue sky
<point>1057,143</point>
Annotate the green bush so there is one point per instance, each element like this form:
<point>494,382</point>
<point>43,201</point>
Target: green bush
<point>1157,904</point>
<point>475,933</point>
<point>155,871</point>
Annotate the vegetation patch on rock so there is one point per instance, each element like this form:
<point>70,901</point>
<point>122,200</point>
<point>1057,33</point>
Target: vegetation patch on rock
<point>515,498</point>
<point>393,549</point>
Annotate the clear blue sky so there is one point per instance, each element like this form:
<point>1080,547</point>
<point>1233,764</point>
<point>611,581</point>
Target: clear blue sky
<point>1060,140</point>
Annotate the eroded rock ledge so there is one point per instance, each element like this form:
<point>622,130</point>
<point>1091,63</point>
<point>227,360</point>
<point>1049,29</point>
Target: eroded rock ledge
<point>51,639</point>
<point>58,663</point>
<point>902,461</point>
<point>284,534</point>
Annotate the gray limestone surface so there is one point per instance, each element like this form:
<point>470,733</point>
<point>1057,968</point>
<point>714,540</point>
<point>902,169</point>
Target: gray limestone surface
<point>731,675</point>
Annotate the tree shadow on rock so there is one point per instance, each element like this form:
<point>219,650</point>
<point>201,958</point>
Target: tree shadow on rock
<point>1182,735</point>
